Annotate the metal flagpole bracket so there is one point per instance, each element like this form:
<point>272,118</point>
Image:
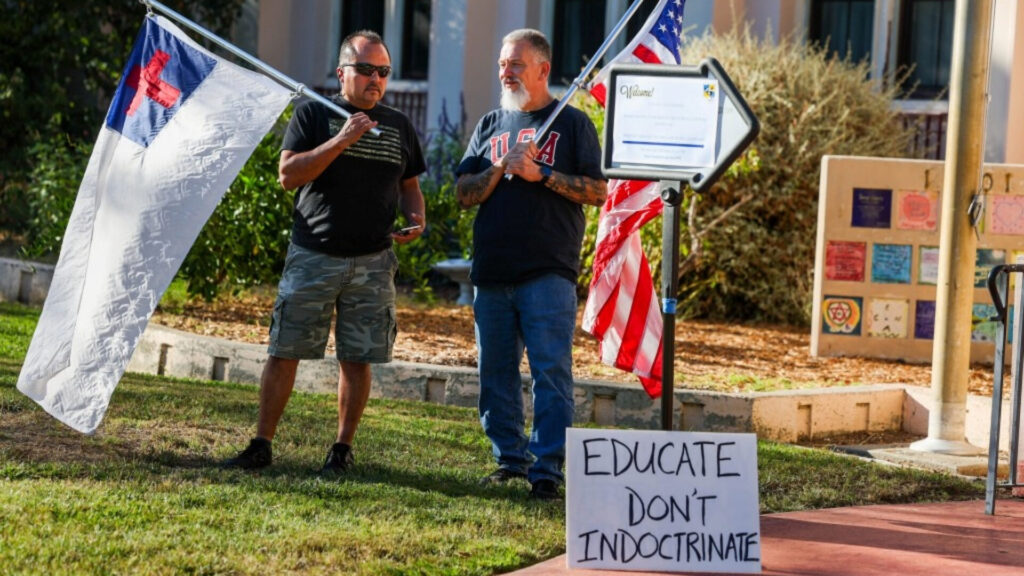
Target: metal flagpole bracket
<point>297,87</point>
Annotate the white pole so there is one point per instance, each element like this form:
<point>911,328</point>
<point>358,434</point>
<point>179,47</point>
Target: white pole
<point>965,142</point>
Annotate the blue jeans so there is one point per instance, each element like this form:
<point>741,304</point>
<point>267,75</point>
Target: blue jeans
<point>540,315</point>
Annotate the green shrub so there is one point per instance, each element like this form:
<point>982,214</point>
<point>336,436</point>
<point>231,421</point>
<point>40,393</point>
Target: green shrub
<point>449,232</point>
<point>57,169</point>
<point>245,241</point>
<point>747,245</point>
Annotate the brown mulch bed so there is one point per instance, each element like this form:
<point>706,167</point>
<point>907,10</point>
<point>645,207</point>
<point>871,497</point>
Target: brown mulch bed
<point>709,355</point>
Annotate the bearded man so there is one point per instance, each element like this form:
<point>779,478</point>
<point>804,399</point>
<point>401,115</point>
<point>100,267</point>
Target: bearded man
<point>526,259</point>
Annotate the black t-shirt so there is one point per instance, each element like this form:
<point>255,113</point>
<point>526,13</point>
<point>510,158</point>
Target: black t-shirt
<point>524,229</point>
<point>350,209</point>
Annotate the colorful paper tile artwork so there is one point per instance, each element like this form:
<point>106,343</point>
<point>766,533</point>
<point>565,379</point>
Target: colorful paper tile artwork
<point>985,260</point>
<point>887,318</point>
<point>983,328</point>
<point>872,208</point>
<point>924,319</point>
<point>841,315</point>
<point>1007,215</point>
<point>928,265</point>
<point>844,261</point>
<point>917,209</point>
<point>890,263</point>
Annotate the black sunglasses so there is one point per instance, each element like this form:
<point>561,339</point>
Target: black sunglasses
<point>365,69</point>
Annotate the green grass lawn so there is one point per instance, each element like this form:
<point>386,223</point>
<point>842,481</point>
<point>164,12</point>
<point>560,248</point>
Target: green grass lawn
<point>142,494</point>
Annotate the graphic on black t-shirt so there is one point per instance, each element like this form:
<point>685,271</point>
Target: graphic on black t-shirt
<point>545,154</point>
<point>350,208</point>
<point>388,147</point>
<point>524,229</point>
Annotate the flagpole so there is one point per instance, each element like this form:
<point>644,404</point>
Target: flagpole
<point>578,82</point>
<point>297,87</point>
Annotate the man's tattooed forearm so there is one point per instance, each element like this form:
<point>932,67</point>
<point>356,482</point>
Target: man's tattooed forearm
<point>580,189</point>
<point>473,189</point>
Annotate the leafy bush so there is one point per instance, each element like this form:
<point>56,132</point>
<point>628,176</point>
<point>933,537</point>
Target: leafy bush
<point>57,169</point>
<point>449,232</point>
<point>748,244</point>
<point>245,241</point>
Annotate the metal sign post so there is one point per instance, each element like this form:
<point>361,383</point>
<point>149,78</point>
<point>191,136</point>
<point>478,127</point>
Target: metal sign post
<point>683,124</point>
<point>672,197</point>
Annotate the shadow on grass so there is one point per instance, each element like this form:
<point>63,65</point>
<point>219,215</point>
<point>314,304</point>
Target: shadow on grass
<point>40,446</point>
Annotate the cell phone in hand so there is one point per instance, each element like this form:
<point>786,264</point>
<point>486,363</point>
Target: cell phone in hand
<point>405,231</point>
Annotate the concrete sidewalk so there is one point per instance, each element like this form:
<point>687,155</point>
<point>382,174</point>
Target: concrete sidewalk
<point>954,538</point>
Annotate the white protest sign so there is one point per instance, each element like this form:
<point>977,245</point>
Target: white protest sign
<point>662,501</point>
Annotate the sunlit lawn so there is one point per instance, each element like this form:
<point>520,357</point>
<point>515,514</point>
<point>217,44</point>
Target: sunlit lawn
<point>142,495</point>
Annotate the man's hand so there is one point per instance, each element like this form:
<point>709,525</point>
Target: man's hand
<point>519,162</point>
<point>354,128</point>
<point>404,238</point>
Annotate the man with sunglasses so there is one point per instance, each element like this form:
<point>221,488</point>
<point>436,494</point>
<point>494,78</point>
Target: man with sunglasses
<point>526,259</point>
<point>350,186</point>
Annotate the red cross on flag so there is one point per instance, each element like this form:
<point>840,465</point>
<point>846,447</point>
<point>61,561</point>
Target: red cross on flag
<point>181,125</point>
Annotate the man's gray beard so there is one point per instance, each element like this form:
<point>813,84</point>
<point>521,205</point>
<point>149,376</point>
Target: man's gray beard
<point>514,100</point>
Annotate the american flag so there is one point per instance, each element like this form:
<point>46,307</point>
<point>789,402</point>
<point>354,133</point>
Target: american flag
<point>622,310</point>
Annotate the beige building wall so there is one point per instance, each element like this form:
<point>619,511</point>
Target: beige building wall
<point>1015,114</point>
<point>295,38</point>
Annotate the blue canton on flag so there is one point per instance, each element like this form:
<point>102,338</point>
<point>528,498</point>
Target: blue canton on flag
<point>668,27</point>
<point>162,72</point>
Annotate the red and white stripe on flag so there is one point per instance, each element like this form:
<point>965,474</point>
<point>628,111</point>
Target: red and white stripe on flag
<point>622,307</point>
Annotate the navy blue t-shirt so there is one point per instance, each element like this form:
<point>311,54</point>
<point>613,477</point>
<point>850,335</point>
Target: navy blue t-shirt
<point>524,229</point>
<point>349,210</point>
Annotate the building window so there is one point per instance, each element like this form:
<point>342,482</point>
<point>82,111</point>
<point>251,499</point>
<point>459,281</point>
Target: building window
<point>843,27</point>
<point>572,42</point>
<point>362,15</point>
<point>416,39</point>
<point>925,46</point>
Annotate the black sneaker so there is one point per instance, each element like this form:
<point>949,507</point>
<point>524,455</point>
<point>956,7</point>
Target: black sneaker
<point>500,476</point>
<point>257,455</point>
<point>339,460</point>
<point>545,489</point>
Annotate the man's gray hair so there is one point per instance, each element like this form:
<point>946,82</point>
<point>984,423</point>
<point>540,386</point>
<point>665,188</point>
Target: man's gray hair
<point>347,52</point>
<point>536,39</point>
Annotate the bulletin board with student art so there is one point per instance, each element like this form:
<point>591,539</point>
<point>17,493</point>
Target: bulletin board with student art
<point>877,258</point>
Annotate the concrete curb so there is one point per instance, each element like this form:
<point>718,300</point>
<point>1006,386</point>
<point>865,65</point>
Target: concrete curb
<point>25,282</point>
<point>784,416</point>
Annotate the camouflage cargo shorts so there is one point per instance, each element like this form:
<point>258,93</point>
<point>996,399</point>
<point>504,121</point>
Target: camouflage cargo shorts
<point>313,285</point>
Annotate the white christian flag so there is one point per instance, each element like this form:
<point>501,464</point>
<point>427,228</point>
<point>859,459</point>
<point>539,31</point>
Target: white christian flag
<point>182,124</point>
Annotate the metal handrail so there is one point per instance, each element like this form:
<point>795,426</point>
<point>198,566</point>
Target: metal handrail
<point>998,287</point>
